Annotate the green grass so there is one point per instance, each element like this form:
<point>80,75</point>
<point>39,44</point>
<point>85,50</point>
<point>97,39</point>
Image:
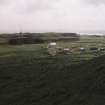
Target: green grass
<point>39,51</point>
<point>29,76</point>
<point>51,81</point>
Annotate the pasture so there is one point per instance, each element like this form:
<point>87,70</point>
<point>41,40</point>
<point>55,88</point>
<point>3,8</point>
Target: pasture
<point>30,52</point>
<point>30,76</point>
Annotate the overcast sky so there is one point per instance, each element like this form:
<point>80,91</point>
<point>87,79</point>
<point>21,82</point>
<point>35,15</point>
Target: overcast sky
<point>52,15</point>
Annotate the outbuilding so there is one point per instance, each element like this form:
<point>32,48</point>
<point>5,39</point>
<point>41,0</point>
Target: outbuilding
<point>52,45</point>
<point>52,48</point>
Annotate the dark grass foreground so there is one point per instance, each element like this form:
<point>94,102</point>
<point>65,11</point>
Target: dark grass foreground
<point>47,83</point>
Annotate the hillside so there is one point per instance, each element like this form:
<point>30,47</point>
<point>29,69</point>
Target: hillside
<point>35,38</point>
<point>47,83</point>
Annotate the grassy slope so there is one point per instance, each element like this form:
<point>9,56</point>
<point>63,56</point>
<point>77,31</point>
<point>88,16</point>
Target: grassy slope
<point>29,80</point>
<point>28,76</point>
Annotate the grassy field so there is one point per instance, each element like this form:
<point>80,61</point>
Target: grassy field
<point>39,51</point>
<point>30,76</point>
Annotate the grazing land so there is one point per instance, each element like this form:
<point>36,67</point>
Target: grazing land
<point>30,76</point>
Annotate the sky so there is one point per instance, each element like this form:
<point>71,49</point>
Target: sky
<point>52,16</point>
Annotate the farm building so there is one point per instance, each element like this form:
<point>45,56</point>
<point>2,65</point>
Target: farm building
<point>52,45</point>
<point>82,49</point>
<point>52,48</point>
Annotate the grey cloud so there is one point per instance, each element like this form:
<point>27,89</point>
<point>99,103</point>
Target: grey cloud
<point>95,2</point>
<point>5,2</point>
<point>2,2</point>
<point>29,6</point>
<point>51,15</point>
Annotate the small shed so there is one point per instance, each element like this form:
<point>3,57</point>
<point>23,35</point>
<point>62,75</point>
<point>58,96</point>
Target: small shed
<point>52,48</point>
<point>82,49</point>
<point>52,45</point>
